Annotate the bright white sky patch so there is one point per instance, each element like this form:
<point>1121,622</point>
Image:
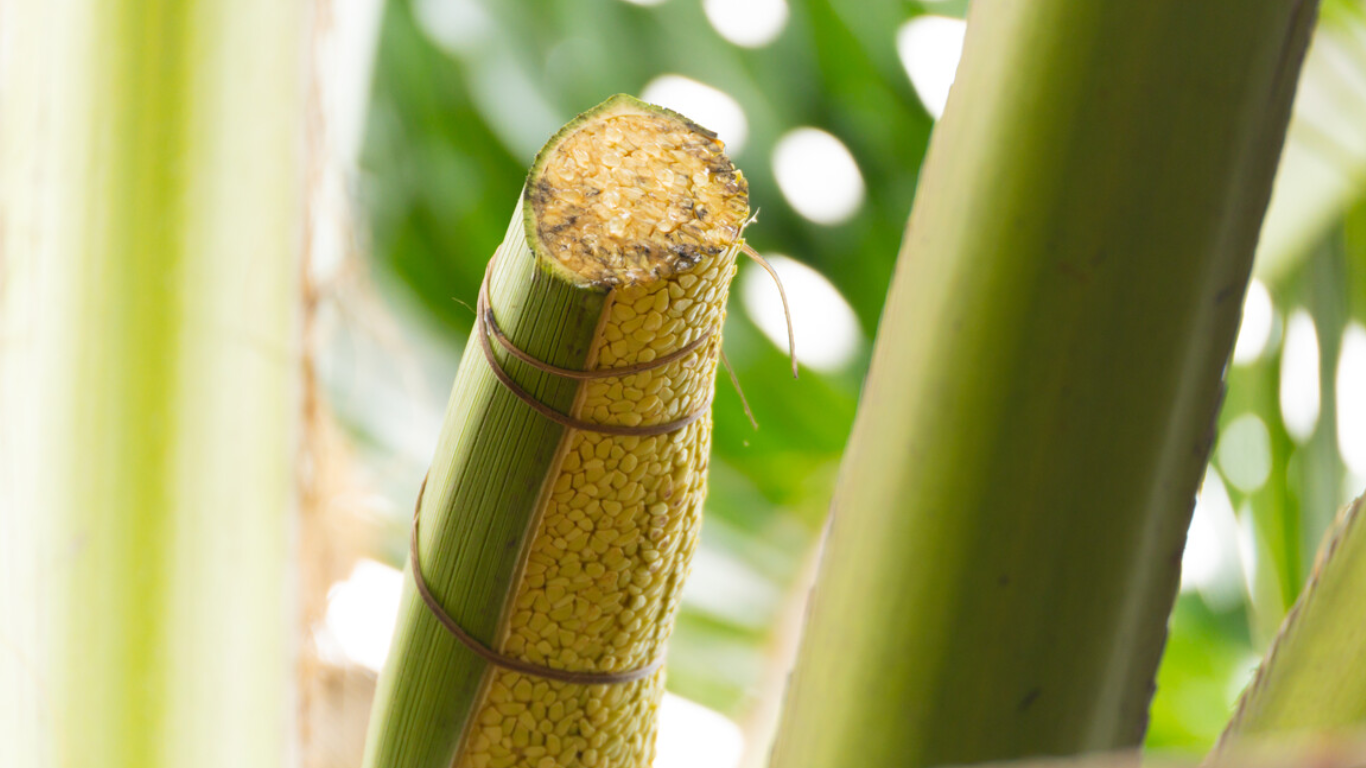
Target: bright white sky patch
<point>1351,386</point>
<point>1245,452</point>
<point>726,586</point>
<point>930,48</point>
<point>512,103</point>
<point>692,736</point>
<point>1300,376</point>
<point>825,325</point>
<point>362,611</point>
<point>710,107</point>
<point>1210,562</point>
<point>456,26</point>
<point>748,23</point>
<point>818,175</point>
<point>1255,330</point>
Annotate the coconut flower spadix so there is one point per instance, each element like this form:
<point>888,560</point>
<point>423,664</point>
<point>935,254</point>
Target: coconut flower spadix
<point>559,543</point>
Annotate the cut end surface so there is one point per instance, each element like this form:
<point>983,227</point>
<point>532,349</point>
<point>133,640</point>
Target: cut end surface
<point>630,193</point>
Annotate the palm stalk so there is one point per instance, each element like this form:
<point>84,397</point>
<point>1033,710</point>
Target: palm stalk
<point>561,546</point>
<point>1336,752</point>
<point>150,220</point>
<point>1313,678</point>
<point>1009,519</point>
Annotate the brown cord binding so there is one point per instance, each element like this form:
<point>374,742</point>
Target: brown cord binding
<point>490,326</point>
<point>498,659</point>
<point>484,328</point>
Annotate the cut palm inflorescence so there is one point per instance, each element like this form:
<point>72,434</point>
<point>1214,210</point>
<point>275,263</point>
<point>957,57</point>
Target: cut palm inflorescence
<point>560,513</point>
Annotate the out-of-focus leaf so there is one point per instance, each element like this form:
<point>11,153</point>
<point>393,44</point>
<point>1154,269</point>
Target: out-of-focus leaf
<point>1316,469</point>
<point>1274,507</point>
<point>1323,169</point>
<point>1303,479</point>
<point>1203,667</point>
<point>1354,245</point>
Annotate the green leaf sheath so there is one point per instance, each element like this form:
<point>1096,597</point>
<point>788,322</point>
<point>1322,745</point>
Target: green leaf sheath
<point>481,496</point>
<point>1009,519</point>
<point>1314,675</point>
<point>151,220</point>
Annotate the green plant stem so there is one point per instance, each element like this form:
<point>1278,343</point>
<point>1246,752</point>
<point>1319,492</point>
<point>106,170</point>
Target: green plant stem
<point>150,226</point>
<point>1313,678</point>
<point>1009,519</point>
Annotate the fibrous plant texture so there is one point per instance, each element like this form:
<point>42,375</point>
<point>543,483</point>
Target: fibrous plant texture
<point>562,541</point>
<point>152,184</point>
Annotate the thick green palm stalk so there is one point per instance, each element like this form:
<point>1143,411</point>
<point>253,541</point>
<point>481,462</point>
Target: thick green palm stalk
<point>1009,519</point>
<point>1342,752</point>
<point>1313,678</point>
<point>150,228</point>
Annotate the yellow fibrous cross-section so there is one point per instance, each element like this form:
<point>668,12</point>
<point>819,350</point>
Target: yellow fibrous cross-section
<point>600,580</point>
<point>634,197</point>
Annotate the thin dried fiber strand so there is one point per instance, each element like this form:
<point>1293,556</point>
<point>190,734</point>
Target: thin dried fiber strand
<point>735,382</point>
<point>787,310</point>
<point>791,335</point>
